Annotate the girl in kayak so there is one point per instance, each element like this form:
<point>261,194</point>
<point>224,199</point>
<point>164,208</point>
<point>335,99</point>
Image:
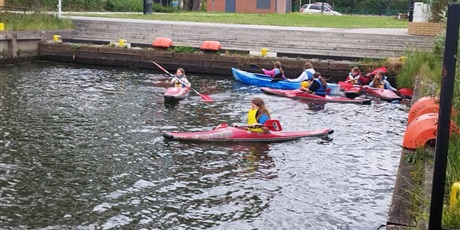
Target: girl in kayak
<point>276,72</point>
<point>318,85</point>
<point>258,114</point>
<point>354,75</point>
<point>307,74</point>
<point>380,82</point>
<point>180,80</point>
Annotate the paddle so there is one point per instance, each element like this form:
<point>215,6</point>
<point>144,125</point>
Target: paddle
<point>273,125</point>
<point>258,67</point>
<point>255,66</point>
<point>204,97</point>
<point>406,92</point>
<point>383,69</point>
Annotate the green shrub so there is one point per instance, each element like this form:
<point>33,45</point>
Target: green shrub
<point>124,5</point>
<point>425,65</point>
<point>163,9</point>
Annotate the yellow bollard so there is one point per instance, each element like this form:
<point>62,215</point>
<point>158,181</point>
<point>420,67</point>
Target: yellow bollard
<point>454,197</point>
<point>263,51</point>
<point>2,26</point>
<point>121,42</point>
<point>57,38</point>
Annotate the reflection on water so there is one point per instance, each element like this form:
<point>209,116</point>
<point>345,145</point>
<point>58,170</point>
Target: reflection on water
<point>81,148</point>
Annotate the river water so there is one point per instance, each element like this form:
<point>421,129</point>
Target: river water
<point>81,148</point>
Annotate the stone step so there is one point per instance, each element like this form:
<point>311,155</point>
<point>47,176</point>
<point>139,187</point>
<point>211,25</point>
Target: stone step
<point>237,32</point>
<point>268,42</point>
<point>356,53</point>
<point>285,39</point>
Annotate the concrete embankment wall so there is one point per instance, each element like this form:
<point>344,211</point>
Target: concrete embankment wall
<point>16,46</point>
<point>196,62</point>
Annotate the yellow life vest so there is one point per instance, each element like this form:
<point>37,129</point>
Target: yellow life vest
<point>253,120</point>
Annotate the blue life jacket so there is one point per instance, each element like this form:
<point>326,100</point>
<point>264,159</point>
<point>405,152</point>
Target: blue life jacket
<point>322,90</point>
<point>278,73</point>
<point>309,74</point>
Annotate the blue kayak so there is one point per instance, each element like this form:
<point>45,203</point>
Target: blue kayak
<point>263,80</point>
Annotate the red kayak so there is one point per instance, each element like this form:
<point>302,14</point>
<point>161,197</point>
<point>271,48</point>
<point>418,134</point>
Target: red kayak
<point>383,94</point>
<point>350,90</point>
<point>224,132</point>
<point>302,95</point>
<point>176,93</point>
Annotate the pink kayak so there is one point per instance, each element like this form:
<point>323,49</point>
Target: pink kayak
<point>383,94</point>
<point>176,93</point>
<point>224,132</point>
<point>299,94</point>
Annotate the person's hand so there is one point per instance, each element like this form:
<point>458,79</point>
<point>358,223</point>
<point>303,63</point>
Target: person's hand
<point>234,125</point>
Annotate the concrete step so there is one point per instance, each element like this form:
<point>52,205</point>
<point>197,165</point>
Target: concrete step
<point>269,44</point>
<point>280,39</point>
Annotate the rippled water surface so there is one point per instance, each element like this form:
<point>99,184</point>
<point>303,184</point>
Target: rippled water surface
<point>81,148</point>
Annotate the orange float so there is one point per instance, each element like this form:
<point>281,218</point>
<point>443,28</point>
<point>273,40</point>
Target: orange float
<point>422,129</point>
<point>162,42</point>
<point>425,105</point>
<point>211,45</point>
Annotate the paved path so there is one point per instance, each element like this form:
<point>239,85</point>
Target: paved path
<point>309,42</point>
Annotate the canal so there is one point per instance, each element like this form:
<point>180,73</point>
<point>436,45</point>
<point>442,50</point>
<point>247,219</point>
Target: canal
<point>81,148</point>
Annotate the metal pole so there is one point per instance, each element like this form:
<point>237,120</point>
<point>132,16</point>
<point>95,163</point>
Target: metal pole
<point>59,8</point>
<point>411,10</point>
<point>445,105</point>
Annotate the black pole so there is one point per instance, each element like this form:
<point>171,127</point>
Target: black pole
<point>411,10</point>
<point>445,105</point>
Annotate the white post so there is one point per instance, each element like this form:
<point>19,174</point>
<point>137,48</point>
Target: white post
<point>59,8</point>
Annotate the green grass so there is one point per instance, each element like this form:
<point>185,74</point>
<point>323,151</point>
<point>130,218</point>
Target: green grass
<point>428,67</point>
<point>292,19</point>
<point>17,22</point>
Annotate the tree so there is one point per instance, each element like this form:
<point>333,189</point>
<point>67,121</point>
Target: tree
<point>37,6</point>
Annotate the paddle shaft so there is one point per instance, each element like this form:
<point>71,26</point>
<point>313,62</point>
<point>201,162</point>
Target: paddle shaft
<point>255,66</point>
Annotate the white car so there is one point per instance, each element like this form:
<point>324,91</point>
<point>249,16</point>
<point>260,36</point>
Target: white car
<point>316,9</point>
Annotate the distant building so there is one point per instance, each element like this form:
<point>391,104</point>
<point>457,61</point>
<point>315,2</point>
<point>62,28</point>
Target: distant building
<point>250,6</point>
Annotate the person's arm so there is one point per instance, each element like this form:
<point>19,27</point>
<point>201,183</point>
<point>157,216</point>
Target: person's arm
<point>173,81</point>
<point>187,83</point>
<point>271,73</point>
<point>263,118</point>
<point>302,77</point>
<point>388,86</point>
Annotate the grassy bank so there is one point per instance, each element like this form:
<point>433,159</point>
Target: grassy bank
<point>428,67</point>
<point>292,19</point>
<point>16,22</point>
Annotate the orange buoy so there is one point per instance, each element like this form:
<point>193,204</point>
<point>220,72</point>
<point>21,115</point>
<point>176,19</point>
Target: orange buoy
<point>162,42</point>
<point>422,129</point>
<point>425,105</point>
<point>211,45</point>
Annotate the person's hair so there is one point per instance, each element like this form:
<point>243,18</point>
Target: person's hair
<point>323,82</point>
<point>376,82</point>
<point>262,109</point>
<point>277,64</point>
<point>181,70</point>
<point>355,69</point>
<point>308,65</point>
